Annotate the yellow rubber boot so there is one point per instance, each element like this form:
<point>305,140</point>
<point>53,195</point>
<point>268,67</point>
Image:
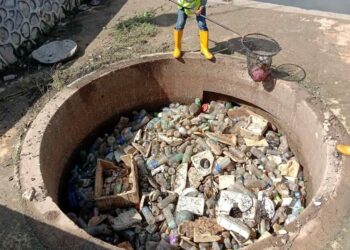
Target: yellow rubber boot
<point>204,39</point>
<point>177,43</point>
<point>344,149</point>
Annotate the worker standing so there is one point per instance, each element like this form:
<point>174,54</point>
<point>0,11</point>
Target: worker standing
<point>185,9</point>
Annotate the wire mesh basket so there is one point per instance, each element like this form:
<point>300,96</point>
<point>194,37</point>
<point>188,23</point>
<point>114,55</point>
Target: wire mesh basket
<point>260,50</point>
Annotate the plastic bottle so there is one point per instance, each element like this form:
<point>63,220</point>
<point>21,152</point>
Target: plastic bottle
<point>151,124</point>
<point>214,146</point>
<point>270,166</point>
<point>176,158</point>
<point>227,123</point>
<point>174,238</point>
<point>273,151</point>
<point>160,179</point>
<point>196,120</point>
<point>215,246</point>
<point>148,215</point>
<point>195,107</point>
<point>183,131</point>
<point>117,187</point>
<point>254,170</point>
<point>227,243</point>
<point>200,141</point>
<point>236,152</point>
<point>296,206</point>
<point>221,164</point>
<point>182,147</point>
<point>141,123</point>
<point>138,116</point>
<point>198,101</point>
<point>251,183</point>
<point>287,155</point>
<point>167,151</point>
<point>154,162</point>
<point>207,116</point>
<point>155,148</point>
<point>165,123</point>
<point>188,153</point>
<point>169,218</point>
<point>100,229</point>
<point>166,201</point>
<point>272,138</point>
<point>192,130</point>
<point>258,154</point>
<point>110,141</point>
<point>219,107</point>
<point>283,147</point>
<point>184,215</point>
<point>123,122</point>
<point>125,135</point>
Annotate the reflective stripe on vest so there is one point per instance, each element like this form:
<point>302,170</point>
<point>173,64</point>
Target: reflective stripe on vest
<point>190,6</point>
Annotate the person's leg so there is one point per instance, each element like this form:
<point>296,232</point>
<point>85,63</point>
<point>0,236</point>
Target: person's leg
<point>204,36</point>
<point>202,24</point>
<point>180,25</point>
<point>181,20</point>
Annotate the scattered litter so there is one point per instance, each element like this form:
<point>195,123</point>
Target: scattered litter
<point>317,203</point>
<point>195,176</point>
<point>230,199</point>
<point>83,7</point>
<point>126,220</point>
<point>203,162</point>
<point>95,2</point>
<point>255,128</point>
<point>282,232</point>
<point>181,178</point>
<point>254,143</point>
<point>192,204</point>
<point>226,180</point>
<point>191,192</point>
<point>235,225</point>
<point>29,194</point>
<point>9,77</point>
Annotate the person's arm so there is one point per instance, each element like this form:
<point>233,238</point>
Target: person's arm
<point>202,6</point>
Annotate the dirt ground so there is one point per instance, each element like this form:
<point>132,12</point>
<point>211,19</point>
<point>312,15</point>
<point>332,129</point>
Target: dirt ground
<point>318,44</point>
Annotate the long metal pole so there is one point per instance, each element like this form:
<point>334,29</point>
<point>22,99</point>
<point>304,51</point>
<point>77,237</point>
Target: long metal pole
<point>210,20</point>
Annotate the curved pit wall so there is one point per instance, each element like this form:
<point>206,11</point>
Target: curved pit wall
<point>154,81</point>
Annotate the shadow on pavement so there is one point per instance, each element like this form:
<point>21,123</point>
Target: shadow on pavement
<point>288,71</point>
<point>229,47</point>
<point>165,20</point>
<point>86,25</point>
<point>19,231</point>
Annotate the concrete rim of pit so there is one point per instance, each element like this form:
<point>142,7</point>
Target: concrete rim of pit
<point>307,230</point>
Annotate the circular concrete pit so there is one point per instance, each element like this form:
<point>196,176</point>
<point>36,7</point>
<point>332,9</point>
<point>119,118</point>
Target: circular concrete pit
<point>95,101</point>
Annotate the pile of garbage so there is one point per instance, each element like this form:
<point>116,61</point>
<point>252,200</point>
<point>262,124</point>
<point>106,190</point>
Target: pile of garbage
<point>198,176</point>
